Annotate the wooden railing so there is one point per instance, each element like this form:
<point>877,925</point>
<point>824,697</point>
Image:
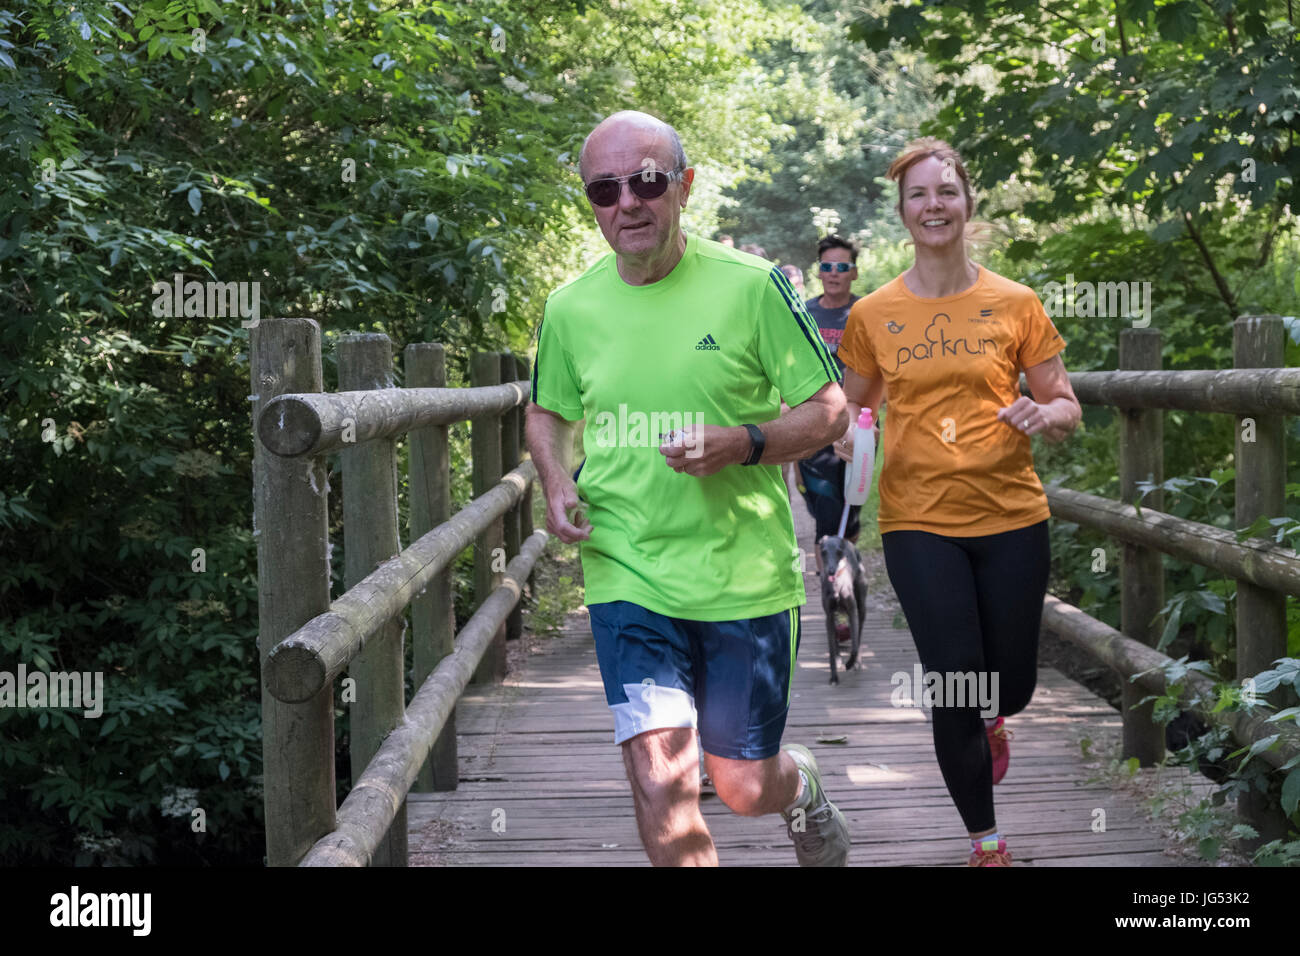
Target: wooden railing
<point>1259,393</point>
<point>306,640</point>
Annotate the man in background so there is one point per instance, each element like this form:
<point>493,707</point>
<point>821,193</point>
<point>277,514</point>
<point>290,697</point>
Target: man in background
<point>821,477</point>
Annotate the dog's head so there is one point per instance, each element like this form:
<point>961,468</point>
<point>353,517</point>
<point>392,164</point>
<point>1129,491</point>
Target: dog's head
<point>836,567</point>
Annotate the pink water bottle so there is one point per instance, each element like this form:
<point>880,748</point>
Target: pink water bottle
<point>857,478</point>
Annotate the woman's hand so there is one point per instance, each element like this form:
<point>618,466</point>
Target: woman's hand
<point>1049,419</point>
<point>1059,412</point>
<point>859,393</point>
<point>844,446</point>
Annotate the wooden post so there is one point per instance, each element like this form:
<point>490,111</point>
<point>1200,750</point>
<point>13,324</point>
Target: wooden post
<point>526,504</point>
<point>433,623</point>
<point>485,447</point>
<point>1258,341</point>
<point>509,459</point>
<point>1142,580</point>
<point>293,586</point>
<point>369,538</point>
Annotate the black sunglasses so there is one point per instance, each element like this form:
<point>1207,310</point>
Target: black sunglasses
<point>647,184</point>
<point>836,266</point>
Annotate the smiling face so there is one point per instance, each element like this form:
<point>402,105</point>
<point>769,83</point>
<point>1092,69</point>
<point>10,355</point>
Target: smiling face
<point>933,203</point>
<point>635,228</point>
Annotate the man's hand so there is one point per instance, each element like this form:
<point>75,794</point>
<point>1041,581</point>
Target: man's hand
<point>561,503</point>
<point>702,450</point>
<point>549,439</point>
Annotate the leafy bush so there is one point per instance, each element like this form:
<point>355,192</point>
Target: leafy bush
<point>370,165</point>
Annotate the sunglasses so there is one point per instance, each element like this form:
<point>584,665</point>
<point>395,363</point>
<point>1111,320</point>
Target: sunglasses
<point>836,266</point>
<point>647,184</point>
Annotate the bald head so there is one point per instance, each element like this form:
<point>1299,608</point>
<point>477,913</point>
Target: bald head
<point>660,141</point>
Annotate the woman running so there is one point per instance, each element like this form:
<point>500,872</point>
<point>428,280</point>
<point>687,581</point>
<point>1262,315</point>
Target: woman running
<point>963,516</point>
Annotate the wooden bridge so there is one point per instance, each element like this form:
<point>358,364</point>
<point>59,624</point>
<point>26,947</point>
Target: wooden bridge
<point>543,784</point>
<point>520,768</point>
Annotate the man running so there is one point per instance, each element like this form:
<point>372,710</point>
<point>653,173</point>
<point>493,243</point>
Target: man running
<point>821,477</point>
<point>675,350</point>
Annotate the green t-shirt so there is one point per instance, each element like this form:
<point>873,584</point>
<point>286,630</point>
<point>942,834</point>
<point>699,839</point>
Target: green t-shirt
<point>718,341</point>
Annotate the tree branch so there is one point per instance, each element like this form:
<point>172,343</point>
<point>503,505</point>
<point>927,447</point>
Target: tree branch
<point>1073,23</point>
<point>1266,248</point>
<point>1219,282</point>
<point>1229,22</point>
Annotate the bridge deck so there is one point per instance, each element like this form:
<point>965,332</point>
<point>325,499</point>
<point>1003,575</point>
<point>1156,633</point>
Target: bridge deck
<point>537,757</point>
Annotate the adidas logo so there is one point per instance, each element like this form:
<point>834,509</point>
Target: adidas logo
<point>707,344</point>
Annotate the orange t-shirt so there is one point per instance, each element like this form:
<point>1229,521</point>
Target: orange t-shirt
<point>949,365</point>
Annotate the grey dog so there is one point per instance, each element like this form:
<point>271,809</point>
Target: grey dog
<point>844,591</point>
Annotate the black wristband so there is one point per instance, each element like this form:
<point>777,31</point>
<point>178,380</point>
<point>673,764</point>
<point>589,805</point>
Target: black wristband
<point>759,440</point>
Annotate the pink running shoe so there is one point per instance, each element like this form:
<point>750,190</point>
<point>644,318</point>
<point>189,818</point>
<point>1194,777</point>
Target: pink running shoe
<point>998,737</point>
<point>991,853</point>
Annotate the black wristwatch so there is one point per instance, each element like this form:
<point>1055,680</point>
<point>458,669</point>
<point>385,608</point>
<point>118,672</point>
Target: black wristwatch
<point>759,440</point>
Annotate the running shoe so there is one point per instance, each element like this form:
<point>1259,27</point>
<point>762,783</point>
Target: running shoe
<point>998,737</point>
<point>991,853</point>
<point>822,839</point>
<point>706,782</point>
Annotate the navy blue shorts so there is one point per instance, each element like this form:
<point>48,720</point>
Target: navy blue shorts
<point>664,672</point>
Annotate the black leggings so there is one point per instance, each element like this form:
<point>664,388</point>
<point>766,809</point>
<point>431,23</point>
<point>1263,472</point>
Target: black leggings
<point>973,605</point>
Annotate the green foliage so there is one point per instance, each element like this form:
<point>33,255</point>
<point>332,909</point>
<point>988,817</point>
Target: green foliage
<point>1204,822</point>
<point>1084,570</point>
<point>1125,142</point>
<point>1278,853</point>
<point>1132,104</point>
<point>845,110</point>
<point>547,614</point>
<point>373,165</point>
